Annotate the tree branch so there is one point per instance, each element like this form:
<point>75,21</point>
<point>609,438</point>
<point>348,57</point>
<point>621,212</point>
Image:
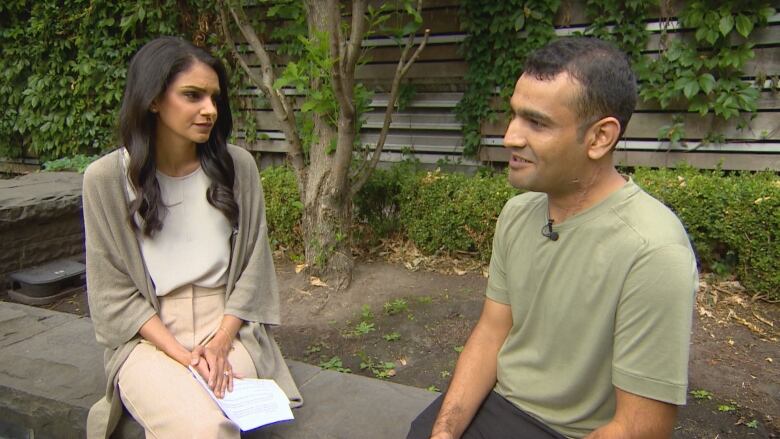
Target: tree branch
<point>401,69</point>
<point>343,96</point>
<point>265,80</point>
<point>358,30</point>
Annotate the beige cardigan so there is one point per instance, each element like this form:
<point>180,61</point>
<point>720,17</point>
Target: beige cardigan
<point>120,291</point>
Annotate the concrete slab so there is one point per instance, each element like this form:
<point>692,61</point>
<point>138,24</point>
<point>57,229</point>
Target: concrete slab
<point>51,373</point>
<point>345,406</point>
<point>20,322</point>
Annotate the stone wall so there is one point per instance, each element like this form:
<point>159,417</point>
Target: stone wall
<point>40,220</point>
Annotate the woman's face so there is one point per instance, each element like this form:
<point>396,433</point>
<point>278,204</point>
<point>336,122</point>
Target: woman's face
<point>187,110</point>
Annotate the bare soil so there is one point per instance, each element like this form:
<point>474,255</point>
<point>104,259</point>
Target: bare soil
<point>401,322</point>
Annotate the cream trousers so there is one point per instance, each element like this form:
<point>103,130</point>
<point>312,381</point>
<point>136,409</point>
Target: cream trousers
<point>161,394</point>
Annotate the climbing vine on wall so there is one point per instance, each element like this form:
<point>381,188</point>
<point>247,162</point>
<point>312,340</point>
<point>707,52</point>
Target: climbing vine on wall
<point>699,69</point>
<point>702,70</point>
<point>63,65</point>
<point>499,37</point>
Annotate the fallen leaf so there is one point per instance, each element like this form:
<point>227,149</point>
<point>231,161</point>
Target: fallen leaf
<point>731,342</point>
<point>769,359</point>
<point>402,361</point>
<point>459,272</point>
<point>317,282</point>
<point>300,267</point>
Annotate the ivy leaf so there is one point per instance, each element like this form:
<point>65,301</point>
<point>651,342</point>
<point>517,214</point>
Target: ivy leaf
<point>520,22</point>
<point>744,25</point>
<point>726,24</point>
<point>707,82</point>
<point>690,89</point>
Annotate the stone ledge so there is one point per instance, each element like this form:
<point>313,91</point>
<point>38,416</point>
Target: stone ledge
<point>51,372</point>
<point>39,196</point>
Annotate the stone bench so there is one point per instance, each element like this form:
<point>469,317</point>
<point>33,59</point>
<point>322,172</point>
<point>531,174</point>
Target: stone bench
<point>40,220</point>
<point>51,372</point>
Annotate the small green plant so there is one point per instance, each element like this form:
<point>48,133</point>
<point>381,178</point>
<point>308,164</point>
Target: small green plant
<point>397,306</point>
<point>363,328</point>
<point>336,364</point>
<point>458,349</point>
<point>380,369</point>
<point>701,394</point>
<point>726,408</point>
<point>445,374</point>
<point>393,336</point>
<point>425,300</point>
<point>366,314</point>
<point>432,388</point>
<point>752,424</point>
<point>313,349</point>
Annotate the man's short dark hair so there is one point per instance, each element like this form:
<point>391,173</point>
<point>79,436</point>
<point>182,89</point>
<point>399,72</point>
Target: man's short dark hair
<point>607,81</point>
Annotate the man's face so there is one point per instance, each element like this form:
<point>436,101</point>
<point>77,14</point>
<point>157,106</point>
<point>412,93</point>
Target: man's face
<point>547,153</point>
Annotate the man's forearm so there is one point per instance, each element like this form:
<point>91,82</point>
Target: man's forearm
<point>475,372</point>
<point>474,377</point>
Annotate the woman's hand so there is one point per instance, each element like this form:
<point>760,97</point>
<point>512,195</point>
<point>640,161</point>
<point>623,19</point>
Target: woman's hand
<point>216,368</point>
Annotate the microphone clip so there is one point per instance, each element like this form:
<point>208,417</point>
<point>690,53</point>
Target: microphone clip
<point>548,232</point>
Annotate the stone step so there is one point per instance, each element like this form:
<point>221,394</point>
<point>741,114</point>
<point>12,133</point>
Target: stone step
<point>51,373</point>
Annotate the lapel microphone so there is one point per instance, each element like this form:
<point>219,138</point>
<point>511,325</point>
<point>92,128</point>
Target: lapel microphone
<point>548,232</point>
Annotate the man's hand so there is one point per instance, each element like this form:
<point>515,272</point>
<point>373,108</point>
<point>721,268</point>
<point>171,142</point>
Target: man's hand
<point>475,372</point>
<point>637,417</point>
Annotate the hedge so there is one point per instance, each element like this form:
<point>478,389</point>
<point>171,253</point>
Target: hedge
<point>733,220</point>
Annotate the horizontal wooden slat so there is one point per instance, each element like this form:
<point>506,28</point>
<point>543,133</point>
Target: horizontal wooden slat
<point>765,126</point>
<point>657,145</point>
<point>705,160</point>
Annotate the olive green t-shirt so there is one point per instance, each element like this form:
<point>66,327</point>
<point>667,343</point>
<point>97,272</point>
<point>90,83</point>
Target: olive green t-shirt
<point>609,304</point>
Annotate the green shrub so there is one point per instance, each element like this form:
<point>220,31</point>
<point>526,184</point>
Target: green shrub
<point>453,212</point>
<point>283,208</point>
<point>77,163</point>
<point>377,204</point>
<point>732,220</point>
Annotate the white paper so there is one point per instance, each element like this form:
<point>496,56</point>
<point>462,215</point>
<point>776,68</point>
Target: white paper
<point>252,403</point>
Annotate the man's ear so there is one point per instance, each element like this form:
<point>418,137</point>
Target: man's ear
<point>602,137</point>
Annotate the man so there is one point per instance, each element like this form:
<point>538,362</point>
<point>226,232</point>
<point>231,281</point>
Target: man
<point>586,324</point>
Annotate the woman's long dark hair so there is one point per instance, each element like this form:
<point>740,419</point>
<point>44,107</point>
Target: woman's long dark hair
<point>153,68</point>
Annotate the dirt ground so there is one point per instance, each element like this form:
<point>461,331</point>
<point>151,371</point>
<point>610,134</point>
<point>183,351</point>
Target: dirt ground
<point>402,322</point>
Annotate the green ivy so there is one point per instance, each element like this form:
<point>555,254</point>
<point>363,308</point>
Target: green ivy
<point>63,65</point>
<point>499,36</point>
<point>699,70</point>
<point>702,72</point>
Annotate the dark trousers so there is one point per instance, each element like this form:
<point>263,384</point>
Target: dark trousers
<point>496,418</point>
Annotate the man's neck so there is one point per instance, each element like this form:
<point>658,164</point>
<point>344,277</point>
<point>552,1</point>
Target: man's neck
<point>587,192</point>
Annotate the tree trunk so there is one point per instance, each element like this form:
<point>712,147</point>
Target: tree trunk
<point>327,215</point>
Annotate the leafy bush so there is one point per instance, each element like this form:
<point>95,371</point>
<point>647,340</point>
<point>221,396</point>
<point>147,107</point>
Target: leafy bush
<point>377,205</point>
<point>77,163</point>
<point>453,212</point>
<point>732,220</point>
<point>63,67</point>
<point>283,208</point>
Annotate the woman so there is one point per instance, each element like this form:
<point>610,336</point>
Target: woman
<point>179,269</point>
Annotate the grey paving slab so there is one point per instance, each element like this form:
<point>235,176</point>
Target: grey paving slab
<point>344,406</point>
<point>20,322</point>
<point>51,372</point>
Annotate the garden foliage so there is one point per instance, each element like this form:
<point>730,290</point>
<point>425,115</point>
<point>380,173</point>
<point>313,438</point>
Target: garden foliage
<point>63,66</point>
<point>733,220</point>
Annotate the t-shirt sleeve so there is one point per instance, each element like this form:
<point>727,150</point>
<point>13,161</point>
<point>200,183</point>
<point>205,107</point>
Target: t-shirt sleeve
<point>653,325</point>
<point>496,287</point>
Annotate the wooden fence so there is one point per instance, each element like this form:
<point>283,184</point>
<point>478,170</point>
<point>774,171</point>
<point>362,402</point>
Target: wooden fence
<point>428,128</point>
